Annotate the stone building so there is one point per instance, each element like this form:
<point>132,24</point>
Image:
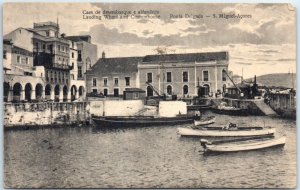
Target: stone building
<point>184,74</point>
<point>87,53</point>
<point>171,74</point>
<point>39,62</point>
<point>111,76</point>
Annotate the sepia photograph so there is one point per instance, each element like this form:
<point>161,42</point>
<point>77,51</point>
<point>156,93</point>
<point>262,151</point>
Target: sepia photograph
<point>149,95</point>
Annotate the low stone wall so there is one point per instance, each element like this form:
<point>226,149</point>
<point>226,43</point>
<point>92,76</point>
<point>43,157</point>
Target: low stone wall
<point>32,114</point>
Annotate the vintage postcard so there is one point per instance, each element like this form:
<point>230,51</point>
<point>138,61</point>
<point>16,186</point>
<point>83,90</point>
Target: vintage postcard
<point>149,95</point>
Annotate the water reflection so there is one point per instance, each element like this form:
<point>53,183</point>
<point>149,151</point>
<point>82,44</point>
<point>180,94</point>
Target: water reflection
<point>143,157</point>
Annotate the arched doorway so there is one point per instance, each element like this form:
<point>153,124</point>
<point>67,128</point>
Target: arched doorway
<point>149,91</point>
<point>207,89</point>
<point>56,93</point>
<point>28,91</point>
<point>48,92</point>
<point>6,89</point>
<point>81,91</point>
<point>73,92</point>
<point>169,90</point>
<point>185,89</point>
<point>17,89</point>
<point>38,91</point>
<point>65,93</point>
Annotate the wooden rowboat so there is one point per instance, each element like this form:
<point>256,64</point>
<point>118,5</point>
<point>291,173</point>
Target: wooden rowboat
<point>241,145</point>
<point>206,121</point>
<point>225,133</point>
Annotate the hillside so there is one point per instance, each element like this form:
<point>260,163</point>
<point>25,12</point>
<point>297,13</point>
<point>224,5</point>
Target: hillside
<point>276,79</point>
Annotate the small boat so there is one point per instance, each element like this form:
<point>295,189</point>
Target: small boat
<point>137,121</point>
<point>223,108</point>
<point>226,132</point>
<point>241,145</point>
<point>206,121</point>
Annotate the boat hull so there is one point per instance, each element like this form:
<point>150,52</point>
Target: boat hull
<point>256,145</point>
<point>201,122</point>
<point>235,112</point>
<point>225,133</point>
<point>140,121</point>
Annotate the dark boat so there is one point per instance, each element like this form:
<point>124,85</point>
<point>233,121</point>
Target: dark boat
<point>140,121</point>
<point>230,111</point>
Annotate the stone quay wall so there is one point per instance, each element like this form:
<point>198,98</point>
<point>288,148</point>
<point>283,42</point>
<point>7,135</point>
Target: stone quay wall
<point>45,113</point>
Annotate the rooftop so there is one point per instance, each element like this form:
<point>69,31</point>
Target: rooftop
<point>49,23</point>
<point>86,38</point>
<point>187,57</point>
<point>116,65</point>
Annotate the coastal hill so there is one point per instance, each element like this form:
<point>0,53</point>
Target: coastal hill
<point>276,79</point>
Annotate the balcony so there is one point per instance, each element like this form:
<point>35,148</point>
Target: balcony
<point>47,60</point>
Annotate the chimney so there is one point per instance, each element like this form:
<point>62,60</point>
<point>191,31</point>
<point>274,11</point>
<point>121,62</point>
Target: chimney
<point>103,55</point>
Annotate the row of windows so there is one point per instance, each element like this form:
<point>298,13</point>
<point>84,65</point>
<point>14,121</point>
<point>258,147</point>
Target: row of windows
<point>49,47</point>
<point>23,60</point>
<point>185,90</point>
<point>185,76</point>
<point>116,81</point>
<point>105,92</point>
<point>57,76</point>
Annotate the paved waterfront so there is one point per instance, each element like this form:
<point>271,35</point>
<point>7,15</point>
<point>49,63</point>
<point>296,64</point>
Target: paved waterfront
<point>143,157</point>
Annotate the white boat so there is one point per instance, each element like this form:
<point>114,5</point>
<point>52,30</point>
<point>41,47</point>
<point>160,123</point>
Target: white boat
<point>242,146</point>
<point>225,133</point>
<point>206,121</point>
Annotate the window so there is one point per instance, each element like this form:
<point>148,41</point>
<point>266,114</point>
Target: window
<point>185,76</point>
<point>127,81</point>
<point>79,71</point>
<point>149,77</point>
<point>185,89</point>
<point>116,81</point>
<point>47,33</point>
<point>205,75</point>
<point>95,90</point>
<point>18,59</point>
<point>116,92</point>
<point>62,48</point>
<point>94,82</point>
<point>169,77</point>
<point>79,56</point>
<point>105,81</point>
<point>4,54</point>
<point>224,75</point>
<point>72,44</point>
<point>55,76</point>
<point>26,60</point>
<point>105,92</point>
<point>44,46</point>
<point>37,46</point>
<point>58,47</point>
<point>72,54</point>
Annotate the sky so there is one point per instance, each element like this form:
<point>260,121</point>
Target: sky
<point>262,43</point>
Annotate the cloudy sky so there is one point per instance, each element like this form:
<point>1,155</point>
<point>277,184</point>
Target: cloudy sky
<point>262,44</point>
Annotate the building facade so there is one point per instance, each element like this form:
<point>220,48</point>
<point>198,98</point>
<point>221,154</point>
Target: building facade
<point>41,65</point>
<point>110,77</point>
<point>184,74</point>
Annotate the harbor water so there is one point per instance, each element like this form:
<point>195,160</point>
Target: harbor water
<point>145,157</point>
